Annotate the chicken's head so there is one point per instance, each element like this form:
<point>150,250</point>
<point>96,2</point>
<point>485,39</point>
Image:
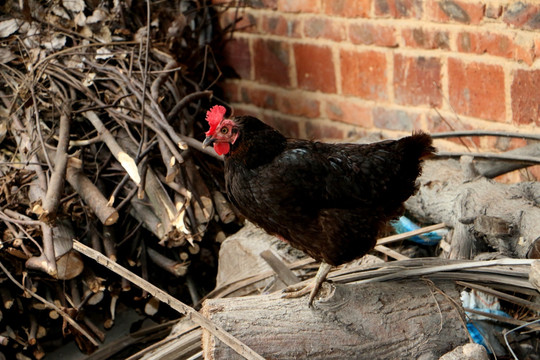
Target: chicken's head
<point>223,132</point>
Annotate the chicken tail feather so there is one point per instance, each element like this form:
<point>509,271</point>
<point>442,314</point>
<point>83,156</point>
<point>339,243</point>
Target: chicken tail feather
<point>419,145</point>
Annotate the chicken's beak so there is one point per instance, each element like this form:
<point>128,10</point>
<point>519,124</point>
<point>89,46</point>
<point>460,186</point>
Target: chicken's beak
<point>208,141</point>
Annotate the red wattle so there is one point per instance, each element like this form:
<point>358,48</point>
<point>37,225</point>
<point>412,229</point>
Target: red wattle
<point>222,148</point>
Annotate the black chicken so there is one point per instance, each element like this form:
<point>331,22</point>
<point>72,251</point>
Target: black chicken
<point>329,200</point>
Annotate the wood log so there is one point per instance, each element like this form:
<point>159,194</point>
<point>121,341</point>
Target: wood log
<point>391,320</point>
<point>483,214</point>
<point>223,208</point>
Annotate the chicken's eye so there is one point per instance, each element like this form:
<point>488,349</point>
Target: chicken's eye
<point>224,130</point>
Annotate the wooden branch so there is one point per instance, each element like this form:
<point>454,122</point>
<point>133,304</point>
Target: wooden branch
<point>197,145</point>
<point>202,198</point>
<point>70,265</point>
<point>50,305</point>
<point>390,253</point>
<point>466,203</point>
<point>46,262</point>
<point>169,161</point>
<point>186,100</point>
<point>223,208</point>
<point>174,267</point>
<point>109,242</point>
<point>160,202</point>
<point>56,184</point>
<point>281,270</point>
<point>127,162</point>
<point>90,194</point>
<point>177,305</point>
<point>408,234</point>
<point>145,214</point>
<point>352,322</point>
<point>160,80</point>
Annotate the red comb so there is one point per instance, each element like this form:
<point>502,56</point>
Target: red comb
<point>214,117</point>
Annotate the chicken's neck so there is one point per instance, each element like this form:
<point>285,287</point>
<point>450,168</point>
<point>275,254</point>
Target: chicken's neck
<point>258,148</point>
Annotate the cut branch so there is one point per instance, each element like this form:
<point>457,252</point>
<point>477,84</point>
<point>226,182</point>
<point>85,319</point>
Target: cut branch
<point>50,305</point>
<point>177,305</point>
<point>127,162</point>
<point>56,184</point>
<point>90,194</point>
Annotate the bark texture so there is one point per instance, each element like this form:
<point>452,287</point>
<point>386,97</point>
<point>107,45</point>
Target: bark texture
<point>392,320</point>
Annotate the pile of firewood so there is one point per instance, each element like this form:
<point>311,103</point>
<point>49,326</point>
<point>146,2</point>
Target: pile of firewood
<point>102,104</point>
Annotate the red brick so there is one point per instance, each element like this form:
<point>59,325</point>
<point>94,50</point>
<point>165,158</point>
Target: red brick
<point>537,47</point>
<point>426,38</point>
<point>323,130</point>
<point>524,50</point>
<point>534,172</point>
<point>231,90</point>
<point>526,97</point>
<point>298,104</point>
<point>298,6</point>
<point>503,143</point>
<point>236,56</point>
<point>477,89</point>
<point>522,16</point>
<point>372,34</point>
<point>349,112</point>
<point>436,123</point>
<point>263,4</point>
<point>493,11</point>
<point>347,8</point>
<point>315,68</point>
<point>258,97</point>
<point>496,45</point>
<point>455,10</point>
<point>363,74</point>
<point>285,125</point>
<point>417,80</point>
<point>392,119</point>
<point>271,62</point>
<point>241,110</point>
<point>399,8</point>
<point>317,27</point>
<point>280,25</point>
<point>239,22</point>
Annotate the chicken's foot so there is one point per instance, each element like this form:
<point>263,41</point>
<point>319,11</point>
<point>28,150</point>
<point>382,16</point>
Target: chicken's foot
<point>296,291</point>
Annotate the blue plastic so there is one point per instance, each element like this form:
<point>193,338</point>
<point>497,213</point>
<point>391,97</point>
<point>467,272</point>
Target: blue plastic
<point>403,224</point>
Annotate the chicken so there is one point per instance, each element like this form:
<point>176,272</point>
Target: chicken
<point>329,200</point>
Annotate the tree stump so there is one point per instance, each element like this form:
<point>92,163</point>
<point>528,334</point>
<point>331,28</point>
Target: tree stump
<point>390,320</point>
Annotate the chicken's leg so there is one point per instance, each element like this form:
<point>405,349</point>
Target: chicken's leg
<point>313,287</point>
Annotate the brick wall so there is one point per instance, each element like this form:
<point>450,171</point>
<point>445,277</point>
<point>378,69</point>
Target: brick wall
<point>333,68</point>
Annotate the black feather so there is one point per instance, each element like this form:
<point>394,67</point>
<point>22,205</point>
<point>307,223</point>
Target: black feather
<point>329,200</point>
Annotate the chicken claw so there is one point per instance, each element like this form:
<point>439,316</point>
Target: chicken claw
<point>313,288</point>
